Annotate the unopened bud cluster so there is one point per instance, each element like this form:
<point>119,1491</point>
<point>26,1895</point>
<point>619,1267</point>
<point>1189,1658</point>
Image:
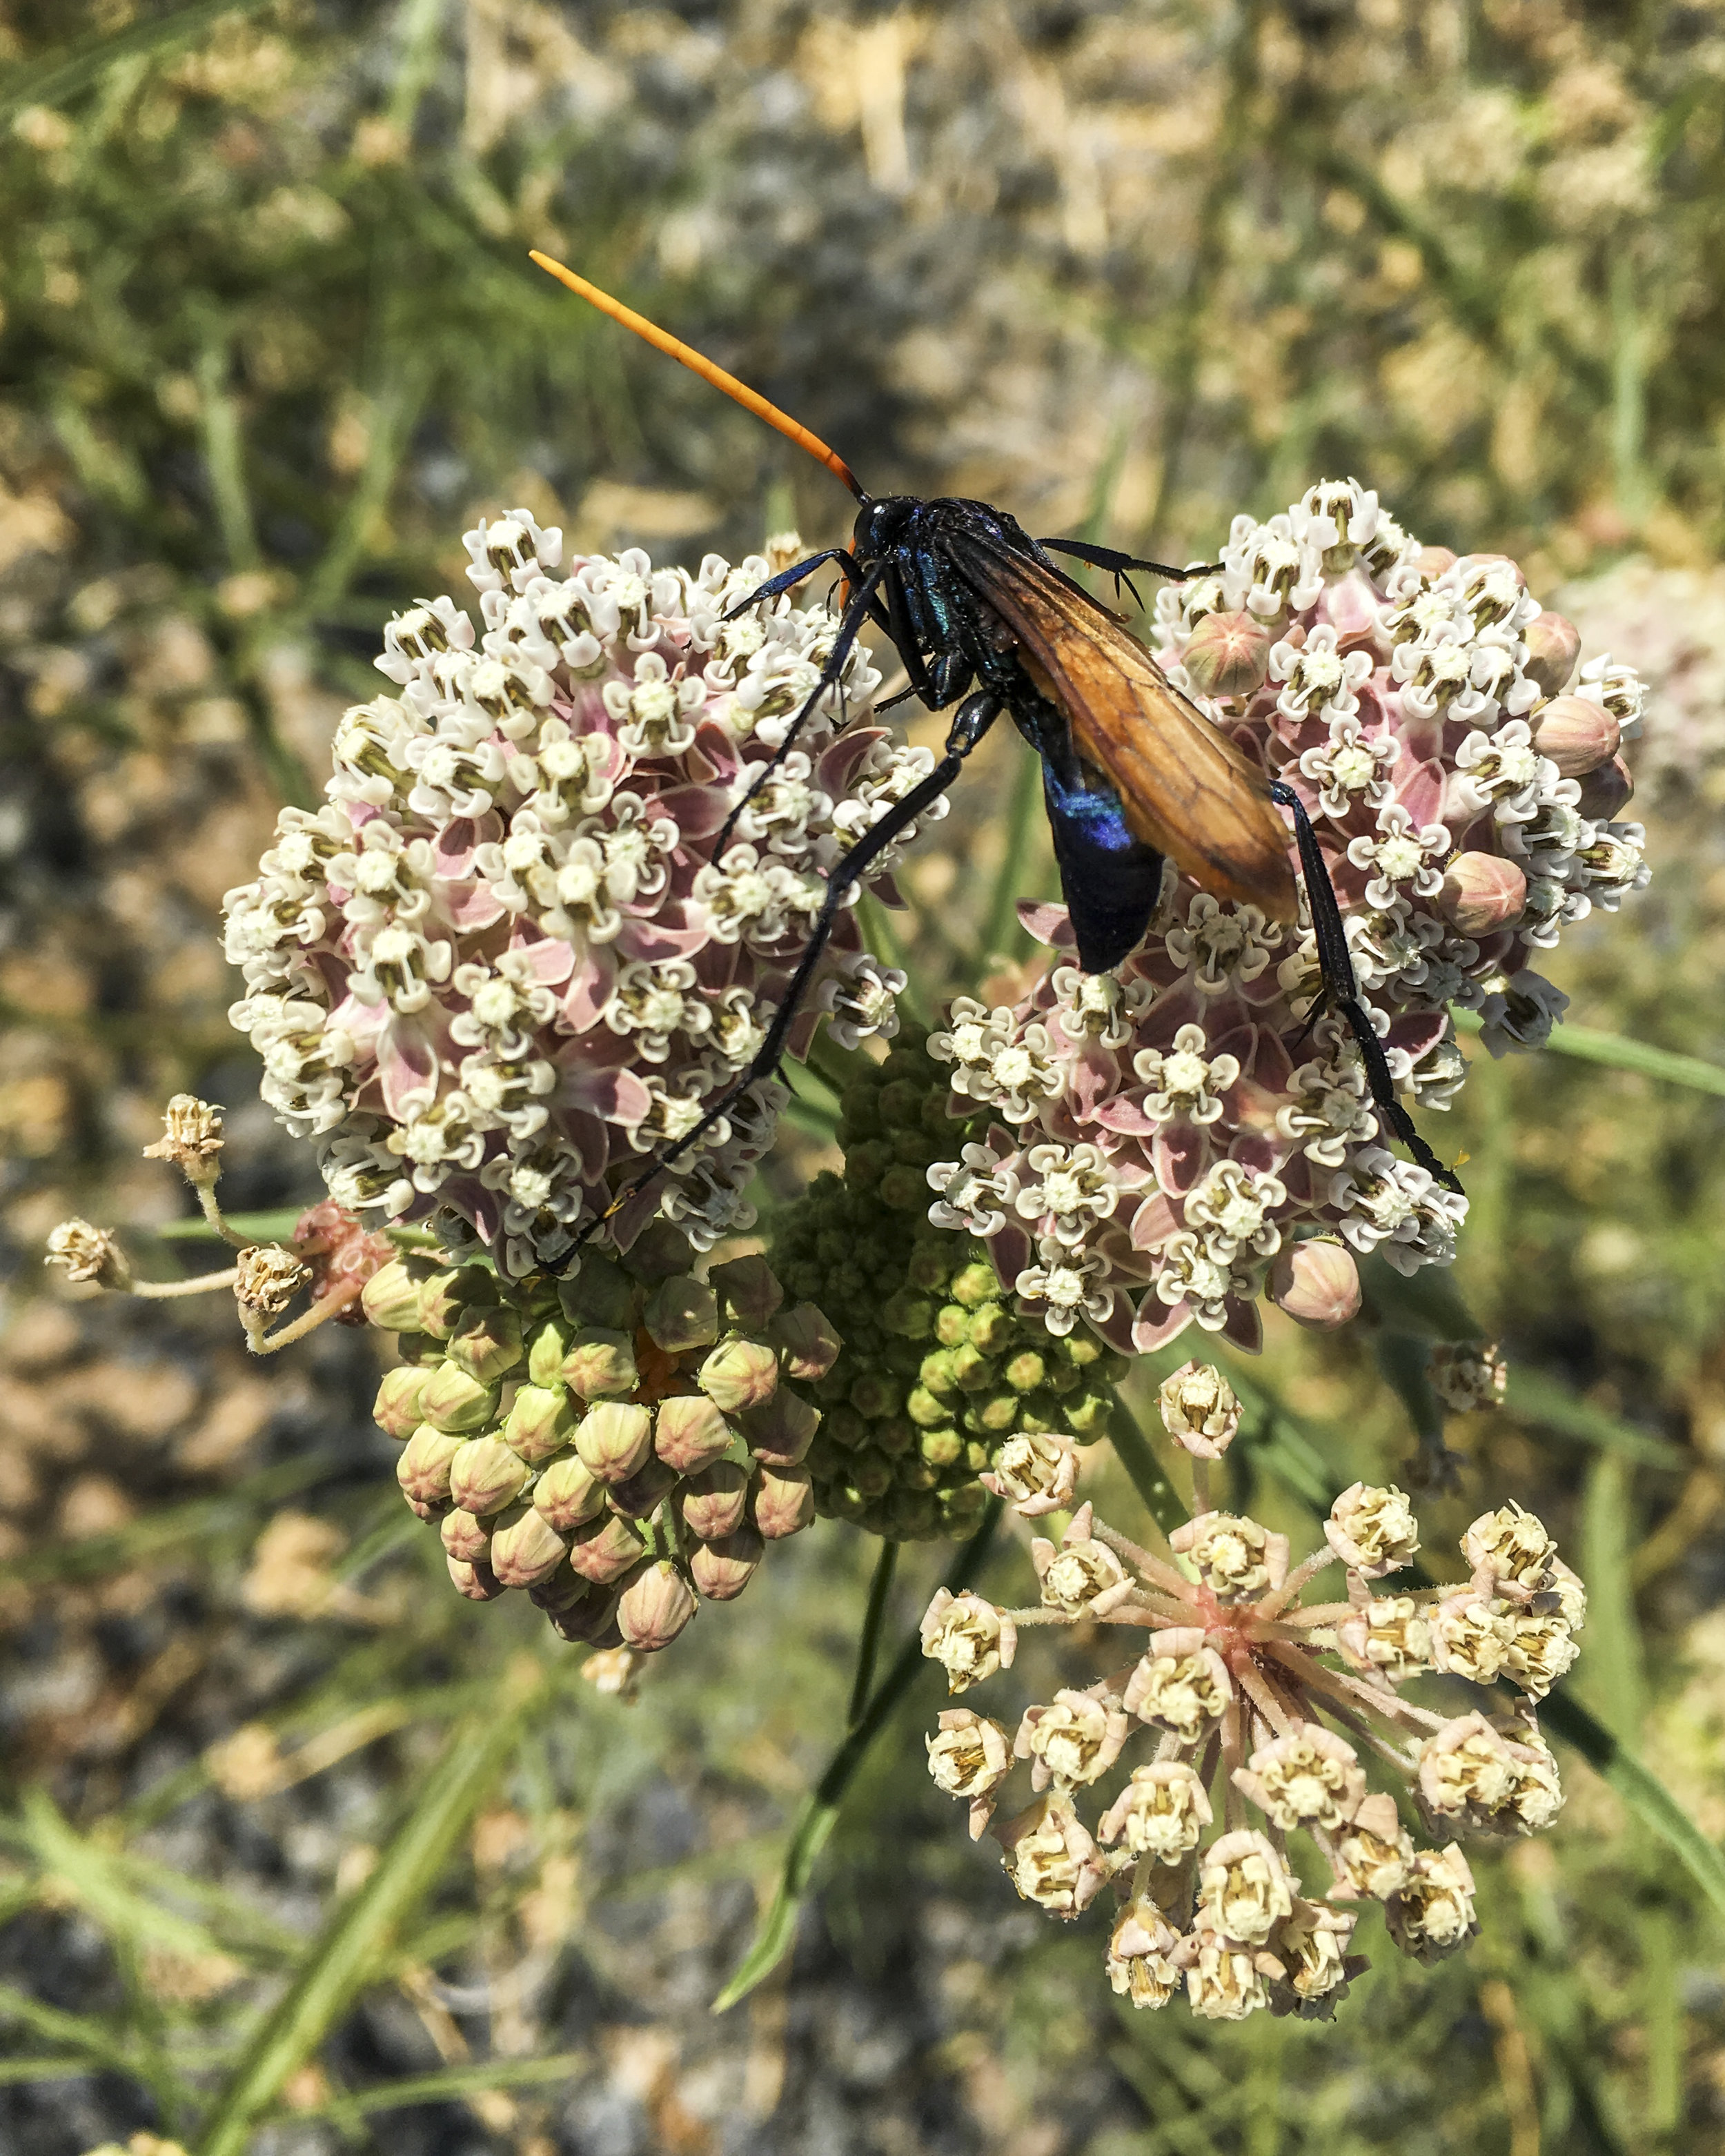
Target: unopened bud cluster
<point>620,1442</point>
<point>940,1392</point>
<point>1277,1715</point>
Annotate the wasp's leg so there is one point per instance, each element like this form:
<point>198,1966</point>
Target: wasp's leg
<point>856,613</point>
<point>1336,964</point>
<point>794,575</point>
<point>972,720</point>
<point>1116,565</point>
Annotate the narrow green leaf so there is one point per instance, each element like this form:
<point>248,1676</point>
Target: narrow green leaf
<point>90,1874</point>
<point>81,2032</point>
<point>1538,1398</point>
<point>1610,1677</point>
<point>343,1958</point>
<point>1136,1455</point>
<point>1001,936</point>
<point>470,2079</point>
<point>275,1226</point>
<point>57,76</point>
<point>820,1810</point>
<point>1586,1043</point>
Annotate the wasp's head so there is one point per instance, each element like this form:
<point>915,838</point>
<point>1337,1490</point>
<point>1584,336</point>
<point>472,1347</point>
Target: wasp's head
<point>881,524</point>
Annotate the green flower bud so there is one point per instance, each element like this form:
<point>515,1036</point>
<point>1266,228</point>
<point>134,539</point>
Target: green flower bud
<point>600,1293</point>
<point>614,1438</point>
<point>952,1325</point>
<point>487,1341</point>
<point>1087,1413</point>
<point>445,1296</point>
<point>917,1474</point>
<point>910,1514</point>
<point>485,1476</point>
<point>974,1285</point>
<point>398,1408</point>
<point>929,1268</point>
<point>961,1509</point>
<point>541,1422</point>
<point>600,1364</point>
<point>477,1581</point>
<point>722,1569</point>
<point>655,1606</point>
<point>971,1370</point>
<point>526,1548</point>
<point>941,1448</point>
<point>547,1344</point>
<point>465,1538</point>
<point>782,1431</point>
<point>807,1343</point>
<point>865,1163</point>
<point>715,1501</point>
<point>1083,1350</point>
<point>639,1495</point>
<point>925,1410</point>
<point>903,1187</point>
<point>976,1456</point>
<point>749,1294</point>
<point>423,1469</point>
<point>740,1374</point>
<point>997,1412</point>
<point>390,1298</point>
<point>606,1548</point>
<point>873,1394</point>
<point>660,1249</point>
<point>783,1501</point>
<point>1026,1371</point>
<point>455,1401</point>
<point>993,1328</point>
<point>689,1432</point>
<point>568,1494</point>
<point>908,1314</point>
<point>895,1435</point>
<point>937,1374</point>
<point>872,1473</point>
<point>681,1313</point>
<point>860,1106</point>
<point>845,1427</point>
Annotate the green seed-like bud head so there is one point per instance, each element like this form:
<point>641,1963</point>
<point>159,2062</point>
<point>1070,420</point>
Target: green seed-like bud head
<point>391,1297</point>
<point>454,1400</point>
<point>930,1268</point>
<point>1087,1413</point>
<point>1082,1350</point>
<point>738,1374</point>
<point>485,1476</point>
<point>917,1474</point>
<point>903,1188</point>
<point>750,1296</point>
<point>783,1501</point>
<point>600,1364</point>
<point>872,1473</point>
<point>1061,1377</point>
<point>937,1374</point>
<point>541,1422</point>
<point>952,1325</point>
<point>859,1105</point>
<point>994,1329</point>
<point>998,1412</point>
<point>972,1370</point>
<point>600,1294</point>
<point>660,1249</point>
<point>656,1605</point>
<point>1026,1371</point>
<point>1039,1412</point>
<point>845,1427</point>
<point>614,1438</point>
<point>681,1313</point>
<point>487,1341</point>
<point>976,1456</point>
<point>715,1501</point>
<point>446,1296</point>
<point>547,1344</point>
<point>398,1409</point>
<point>639,1495</point>
<point>908,1314</point>
<point>689,1432</point>
<point>911,1515</point>
<point>975,1285</point>
<point>722,1569</point>
<point>961,1509</point>
<point>941,1448</point>
<point>782,1431</point>
<point>526,1548</point>
<point>926,1409</point>
<point>873,1394</point>
<point>606,1548</point>
<point>901,1104</point>
<point>807,1345</point>
<point>423,1469</point>
<point>865,1164</point>
<point>569,1494</point>
<point>466,1537</point>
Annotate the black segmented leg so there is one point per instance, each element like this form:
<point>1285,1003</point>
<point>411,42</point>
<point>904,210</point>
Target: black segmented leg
<point>1116,564</point>
<point>862,600</point>
<point>1336,964</point>
<point>795,575</point>
<point>972,720</point>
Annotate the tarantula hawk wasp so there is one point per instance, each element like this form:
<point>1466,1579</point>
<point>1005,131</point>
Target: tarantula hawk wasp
<point>1133,774</point>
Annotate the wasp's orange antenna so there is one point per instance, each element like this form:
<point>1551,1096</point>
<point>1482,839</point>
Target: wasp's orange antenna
<point>752,400</point>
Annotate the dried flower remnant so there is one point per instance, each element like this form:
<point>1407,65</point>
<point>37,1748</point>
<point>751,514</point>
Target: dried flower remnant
<point>1280,1714</point>
<point>1468,1376</point>
<point>941,1392</point>
<point>622,1445</point>
<point>1166,1144</point>
<point>498,969</point>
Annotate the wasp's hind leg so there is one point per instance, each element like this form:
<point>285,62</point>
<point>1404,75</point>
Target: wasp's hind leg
<point>1340,988</point>
<point>971,722</point>
<point>1113,563</point>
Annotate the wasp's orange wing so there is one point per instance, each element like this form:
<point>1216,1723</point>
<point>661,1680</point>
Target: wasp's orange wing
<point>1186,788</point>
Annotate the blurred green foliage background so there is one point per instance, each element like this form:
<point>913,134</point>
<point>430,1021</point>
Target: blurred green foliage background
<point>269,342</point>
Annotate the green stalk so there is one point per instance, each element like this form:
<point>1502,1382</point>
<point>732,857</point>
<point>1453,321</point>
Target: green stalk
<point>1135,1453</point>
<point>867,1647</point>
<point>1586,1043</point>
<point>819,1814</point>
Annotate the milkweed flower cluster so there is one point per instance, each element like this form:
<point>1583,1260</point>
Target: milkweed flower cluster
<point>1263,1715</point>
<point>499,967</point>
<point>622,1445</point>
<point>1163,1140</point>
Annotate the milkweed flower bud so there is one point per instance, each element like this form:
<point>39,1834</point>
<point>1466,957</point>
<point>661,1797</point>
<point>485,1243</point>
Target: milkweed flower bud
<point>654,1607</point>
<point>499,966</point>
<point>680,1314</point>
<point>1553,646</point>
<point>715,1501</point>
<point>390,1298</point>
<point>614,1438</point>
<point>540,1423</point>
<point>606,1548</point>
<point>1227,654</point>
<point>454,1400</point>
<point>1317,1282</point>
<point>782,1501</point>
<point>526,1548</point>
<point>783,1430</point>
<point>485,1475</point>
<point>468,1538</point>
<point>397,1410</point>
<point>1200,1410</point>
<point>689,1433</point>
<point>750,1295</point>
<point>1139,1151</point>
<point>600,1364</point>
<point>720,1569</point>
<point>568,1493</point>
<point>744,1373</point>
<point>486,1344</point>
<point>423,1470</point>
<point>1251,1682</point>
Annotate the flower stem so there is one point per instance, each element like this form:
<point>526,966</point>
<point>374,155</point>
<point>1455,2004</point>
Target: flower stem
<point>868,1646</point>
<point>203,1284</point>
<point>1162,1501</point>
